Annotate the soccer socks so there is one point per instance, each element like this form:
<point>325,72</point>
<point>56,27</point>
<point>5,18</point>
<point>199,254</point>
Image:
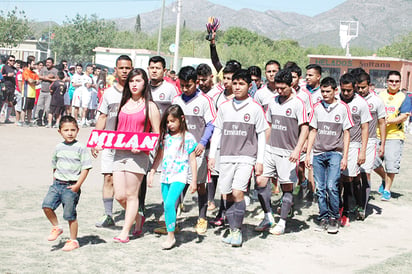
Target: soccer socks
<point>357,192</point>
<point>211,189</point>
<point>202,203</point>
<point>108,206</point>
<point>264,194</point>
<point>230,214</point>
<point>239,213</point>
<point>346,195</point>
<point>287,201</point>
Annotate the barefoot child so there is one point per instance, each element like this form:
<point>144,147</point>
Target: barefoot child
<point>71,163</point>
<point>177,153</point>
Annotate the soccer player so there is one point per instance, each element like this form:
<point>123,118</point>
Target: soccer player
<point>377,109</point>
<point>199,113</point>
<point>240,128</point>
<point>287,116</point>
<point>359,133</point>
<point>329,137</point>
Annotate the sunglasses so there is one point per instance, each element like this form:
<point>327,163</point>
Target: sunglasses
<point>394,81</point>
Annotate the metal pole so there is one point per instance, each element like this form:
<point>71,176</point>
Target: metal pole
<point>177,39</point>
<point>159,38</point>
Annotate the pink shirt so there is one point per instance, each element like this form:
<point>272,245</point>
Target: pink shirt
<point>132,117</point>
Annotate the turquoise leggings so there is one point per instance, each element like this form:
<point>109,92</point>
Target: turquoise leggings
<point>170,194</point>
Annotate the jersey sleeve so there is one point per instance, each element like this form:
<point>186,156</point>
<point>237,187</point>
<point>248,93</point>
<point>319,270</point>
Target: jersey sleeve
<point>366,115</point>
<point>218,122</point>
<point>104,106</point>
<point>313,119</point>
<point>380,108</point>
<point>210,112</point>
<point>261,123</point>
<point>347,122</point>
<point>406,105</point>
<point>301,112</point>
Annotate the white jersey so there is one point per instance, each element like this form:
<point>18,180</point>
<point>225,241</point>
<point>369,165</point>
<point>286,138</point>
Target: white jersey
<point>285,119</point>
<point>240,124</point>
<point>82,79</point>
<point>263,96</point>
<point>306,97</point>
<point>199,111</point>
<point>220,98</point>
<point>163,95</point>
<point>377,110</point>
<point>360,114</point>
<point>330,123</point>
<point>215,90</point>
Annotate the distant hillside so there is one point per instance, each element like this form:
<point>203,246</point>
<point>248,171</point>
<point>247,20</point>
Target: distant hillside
<point>380,21</point>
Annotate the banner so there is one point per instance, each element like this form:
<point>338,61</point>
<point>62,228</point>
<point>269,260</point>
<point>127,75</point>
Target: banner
<point>123,140</point>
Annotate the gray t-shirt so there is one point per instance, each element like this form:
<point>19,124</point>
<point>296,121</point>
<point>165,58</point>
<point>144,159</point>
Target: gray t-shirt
<point>45,85</point>
<point>110,106</point>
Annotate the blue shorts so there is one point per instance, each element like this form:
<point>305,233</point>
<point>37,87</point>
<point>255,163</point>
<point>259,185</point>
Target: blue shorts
<point>60,194</point>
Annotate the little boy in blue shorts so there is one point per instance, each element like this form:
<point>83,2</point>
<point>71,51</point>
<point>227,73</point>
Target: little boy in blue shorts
<point>71,163</point>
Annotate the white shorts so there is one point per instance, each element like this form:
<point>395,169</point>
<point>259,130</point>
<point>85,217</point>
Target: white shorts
<point>201,170</point>
<point>81,97</point>
<point>234,176</point>
<point>17,107</point>
<point>352,170</point>
<point>302,157</point>
<point>106,161</point>
<point>370,157</point>
<point>280,167</point>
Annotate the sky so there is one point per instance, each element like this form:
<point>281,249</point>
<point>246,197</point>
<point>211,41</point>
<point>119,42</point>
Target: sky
<point>58,10</point>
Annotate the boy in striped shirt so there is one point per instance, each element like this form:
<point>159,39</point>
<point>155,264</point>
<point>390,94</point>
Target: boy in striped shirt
<point>71,163</point>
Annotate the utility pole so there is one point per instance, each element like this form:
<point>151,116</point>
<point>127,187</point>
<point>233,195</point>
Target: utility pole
<point>177,39</point>
<point>159,38</point>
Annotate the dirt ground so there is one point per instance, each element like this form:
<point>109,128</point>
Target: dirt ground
<point>380,244</point>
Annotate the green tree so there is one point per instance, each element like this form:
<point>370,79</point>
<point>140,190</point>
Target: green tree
<point>402,48</point>
<point>14,28</point>
<point>77,38</point>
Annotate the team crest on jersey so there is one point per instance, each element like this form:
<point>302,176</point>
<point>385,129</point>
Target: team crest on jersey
<point>370,106</point>
<point>288,112</point>
<point>354,109</point>
<point>246,117</point>
<point>162,96</point>
<point>337,118</point>
<point>196,110</point>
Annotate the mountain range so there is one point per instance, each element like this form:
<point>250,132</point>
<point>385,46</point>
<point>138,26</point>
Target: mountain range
<point>380,21</point>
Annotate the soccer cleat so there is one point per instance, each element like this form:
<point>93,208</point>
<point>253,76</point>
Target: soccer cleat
<point>322,226</point>
<point>55,232</point>
<point>236,238</point>
<point>201,226</point>
<point>386,195</point>
<point>360,214</point>
<point>333,226</point>
<point>70,245</point>
<point>264,225</point>
<point>218,221</point>
<point>106,221</point>
<point>277,230</point>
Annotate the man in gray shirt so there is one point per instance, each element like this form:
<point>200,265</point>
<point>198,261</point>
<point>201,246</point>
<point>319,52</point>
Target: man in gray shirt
<point>47,75</point>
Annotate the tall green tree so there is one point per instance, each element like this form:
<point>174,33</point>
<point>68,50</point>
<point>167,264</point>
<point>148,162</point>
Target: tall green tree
<point>77,37</point>
<point>402,48</point>
<point>14,28</point>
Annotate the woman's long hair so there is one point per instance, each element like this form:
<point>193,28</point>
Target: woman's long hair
<point>127,94</point>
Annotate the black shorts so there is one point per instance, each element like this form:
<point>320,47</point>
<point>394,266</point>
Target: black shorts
<point>57,110</point>
<point>27,103</point>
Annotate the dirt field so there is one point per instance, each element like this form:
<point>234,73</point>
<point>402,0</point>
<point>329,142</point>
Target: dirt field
<point>380,244</point>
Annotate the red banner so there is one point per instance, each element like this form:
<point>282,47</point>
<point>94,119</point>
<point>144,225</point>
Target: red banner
<point>123,140</point>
